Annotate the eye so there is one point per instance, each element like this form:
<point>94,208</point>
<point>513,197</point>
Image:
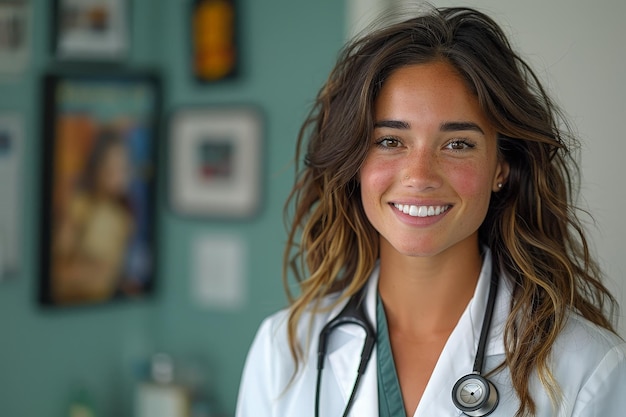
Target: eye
<point>388,142</point>
<point>460,145</point>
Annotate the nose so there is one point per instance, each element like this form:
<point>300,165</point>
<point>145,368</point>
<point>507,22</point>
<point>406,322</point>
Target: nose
<point>421,170</point>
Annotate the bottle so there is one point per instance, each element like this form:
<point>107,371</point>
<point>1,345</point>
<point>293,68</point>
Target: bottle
<point>160,396</point>
<point>81,403</point>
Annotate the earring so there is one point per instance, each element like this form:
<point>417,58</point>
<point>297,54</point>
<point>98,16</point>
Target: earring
<point>500,185</point>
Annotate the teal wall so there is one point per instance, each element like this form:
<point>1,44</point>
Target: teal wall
<point>288,47</point>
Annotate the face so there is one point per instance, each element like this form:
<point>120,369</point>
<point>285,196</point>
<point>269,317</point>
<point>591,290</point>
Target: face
<point>433,163</point>
<point>113,174</point>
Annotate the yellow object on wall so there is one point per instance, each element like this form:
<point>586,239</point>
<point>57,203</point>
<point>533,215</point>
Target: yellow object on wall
<point>215,52</point>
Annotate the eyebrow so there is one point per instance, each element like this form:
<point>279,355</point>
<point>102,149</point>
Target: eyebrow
<point>392,124</point>
<point>444,127</point>
<point>458,126</point>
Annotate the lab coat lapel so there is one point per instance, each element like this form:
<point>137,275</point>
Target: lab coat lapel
<point>457,356</point>
<point>344,355</point>
<point>456,360</point>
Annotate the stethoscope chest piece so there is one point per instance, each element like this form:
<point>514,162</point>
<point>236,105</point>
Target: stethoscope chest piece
<point>475,396</point>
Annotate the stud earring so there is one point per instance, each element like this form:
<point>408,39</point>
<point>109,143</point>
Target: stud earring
<point>500,185</point>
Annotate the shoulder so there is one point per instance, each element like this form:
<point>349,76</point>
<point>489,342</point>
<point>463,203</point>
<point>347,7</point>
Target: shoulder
<point>273,331</point>
<point>581,337</point>
<point>585,353</point>
<point>271,343</point>
<point>270,368</point>
<point>80,203</point>
<point>589,362</point>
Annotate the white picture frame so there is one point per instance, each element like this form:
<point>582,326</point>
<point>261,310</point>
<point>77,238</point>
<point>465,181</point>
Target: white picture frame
<point>215,161</point>
<point>11,149</point>
<point>91,30</point>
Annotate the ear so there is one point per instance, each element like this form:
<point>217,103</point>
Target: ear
<point>501,176</point>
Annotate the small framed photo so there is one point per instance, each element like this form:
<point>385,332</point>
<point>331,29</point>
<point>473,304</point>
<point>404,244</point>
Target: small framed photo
<point>11,145</point>
<point>215,156</point>
<point>91,30</point>
<point>100,143</point>
<point>15,22</point>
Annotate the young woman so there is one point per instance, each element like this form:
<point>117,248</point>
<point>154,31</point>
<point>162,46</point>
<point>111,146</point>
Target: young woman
<point>434,224</point>
<point>95,226</point>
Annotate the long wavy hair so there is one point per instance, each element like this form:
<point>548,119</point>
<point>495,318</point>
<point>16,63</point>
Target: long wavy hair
<point>532,226</point>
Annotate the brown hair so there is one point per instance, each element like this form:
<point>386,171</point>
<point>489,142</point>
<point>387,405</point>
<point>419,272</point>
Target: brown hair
<point>532,228</point>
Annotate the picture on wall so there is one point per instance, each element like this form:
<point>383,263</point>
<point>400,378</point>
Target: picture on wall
<point>215,161</point>
<point>98,213</point>
<point>91,30</point>
<point>214,40</point>
<point>11,145</point>
<point>15,22</point>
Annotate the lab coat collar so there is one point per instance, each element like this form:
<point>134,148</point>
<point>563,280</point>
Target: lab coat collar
<point>456,360</point>
<point>344,360</point>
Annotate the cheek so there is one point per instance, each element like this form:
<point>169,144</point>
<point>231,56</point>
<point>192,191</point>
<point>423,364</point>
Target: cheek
<point>473,182</point>
<point>374,179</point>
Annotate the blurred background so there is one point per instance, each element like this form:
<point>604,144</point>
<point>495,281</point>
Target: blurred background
<point>215,252</point>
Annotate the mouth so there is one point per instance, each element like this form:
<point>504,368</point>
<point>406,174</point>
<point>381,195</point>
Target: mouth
<point>421,211</point>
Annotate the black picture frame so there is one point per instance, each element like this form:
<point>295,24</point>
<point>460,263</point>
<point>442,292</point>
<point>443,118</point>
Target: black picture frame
<point>100,148</point>
<point>91,31</point>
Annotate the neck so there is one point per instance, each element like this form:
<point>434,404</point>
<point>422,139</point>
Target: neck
<point>427,295</point>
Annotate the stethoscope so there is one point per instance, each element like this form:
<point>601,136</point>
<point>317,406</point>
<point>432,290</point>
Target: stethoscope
<point>472,394</point>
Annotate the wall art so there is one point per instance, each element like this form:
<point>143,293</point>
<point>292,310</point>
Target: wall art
<point>11,182</point>
<point>100,144</point>
<point>91,30</point>
<point>215,161</point>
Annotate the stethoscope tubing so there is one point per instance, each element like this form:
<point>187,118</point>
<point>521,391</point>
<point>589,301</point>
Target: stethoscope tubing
<point>354,313</point>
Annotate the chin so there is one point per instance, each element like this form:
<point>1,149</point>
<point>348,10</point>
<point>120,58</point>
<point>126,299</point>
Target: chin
<point>418,251</point>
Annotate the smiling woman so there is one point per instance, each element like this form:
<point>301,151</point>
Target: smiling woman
<point>434,210</point>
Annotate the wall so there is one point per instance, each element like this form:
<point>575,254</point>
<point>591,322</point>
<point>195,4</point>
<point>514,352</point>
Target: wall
<point>287,50</point>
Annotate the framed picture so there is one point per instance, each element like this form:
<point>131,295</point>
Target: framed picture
<point>214,39</point>
<point>215,158</point>
<point>100,143</point>
<point>91,30</point>
<point>15,21</point>
<point>11,145</point>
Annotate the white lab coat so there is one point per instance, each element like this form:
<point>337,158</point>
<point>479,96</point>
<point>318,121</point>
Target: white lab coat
<point>589,363</point>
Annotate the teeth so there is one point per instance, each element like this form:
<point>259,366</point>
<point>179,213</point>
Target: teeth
<point>421,211</point>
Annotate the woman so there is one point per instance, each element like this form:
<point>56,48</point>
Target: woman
<point>437,180</point>
<point>94,231</point>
